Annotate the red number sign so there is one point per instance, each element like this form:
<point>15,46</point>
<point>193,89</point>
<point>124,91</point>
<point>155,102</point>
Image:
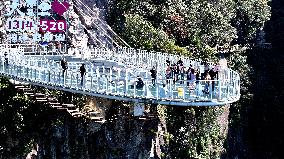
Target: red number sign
<point>47,25</point>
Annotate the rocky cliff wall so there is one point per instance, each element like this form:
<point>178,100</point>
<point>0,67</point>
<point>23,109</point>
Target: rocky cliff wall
<point>163,132</point>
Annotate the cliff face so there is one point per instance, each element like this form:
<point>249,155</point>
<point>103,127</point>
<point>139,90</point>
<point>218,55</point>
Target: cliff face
<point>163,131</point>
<point>120,136</point>
<point>187,132</point>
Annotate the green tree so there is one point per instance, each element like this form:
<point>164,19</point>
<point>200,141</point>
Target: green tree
<point>140,33</point>
<point>251,17</point>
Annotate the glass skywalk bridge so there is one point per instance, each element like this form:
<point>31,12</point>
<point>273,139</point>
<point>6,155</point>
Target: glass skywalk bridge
<point>113,75</point>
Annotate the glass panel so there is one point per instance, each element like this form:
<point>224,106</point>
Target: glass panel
<point>113,81</point>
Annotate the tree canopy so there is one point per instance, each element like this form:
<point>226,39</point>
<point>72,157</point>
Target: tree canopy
<point>200,24</point>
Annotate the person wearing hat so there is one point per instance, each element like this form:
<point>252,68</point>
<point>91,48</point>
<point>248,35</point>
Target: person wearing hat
<point>83,72</point>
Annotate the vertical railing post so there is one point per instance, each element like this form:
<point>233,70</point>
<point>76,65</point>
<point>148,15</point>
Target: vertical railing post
<point>126,82</point>
<point>27,72</point>
<point>91,82</point>
<point>184,83</point>
<point>43,74</point>
<point>235,84</point>
<point>49,76</point>
<point>17,70</point>
<point>98,71</point>
<point>219,87</point>
<point>103,69</point>
<point>30,73</point>
<point>115,87</point>
<point>171,89</point>
<point>83,81</point>
<point>228,88</point>
<point>3,65</point>
<point>118,73</point>
<point>107,85</point>
<point>71,79</point>
<point>110,73</point>
<point>134,95</point>
<point>210,89</point>
<point>35,74</point>
<point>98,84</point>
<point>157,87</point>
<point>21,68</point>
<point>59,78</point>
<point>145,89</point>
<point>54,77</point>
<point>64,78</point>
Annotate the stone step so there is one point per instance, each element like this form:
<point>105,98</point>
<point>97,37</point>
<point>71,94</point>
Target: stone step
<point>28,93</point>
<point>50,99</point>
<point>93,113</point>
<point>100,121</point>
<point>97,118</point>
<point>61,108</point>
<point>72,110</point>
<point>77,114</point>
<point>25,89</point>
<point>69,106</point>
<point>38,95</point>
<point>41,98</point>
<point>40,101</point>
<point>56,106</point>
<point>20,86</point>
<point>151,116</point>
<point>143,118</point>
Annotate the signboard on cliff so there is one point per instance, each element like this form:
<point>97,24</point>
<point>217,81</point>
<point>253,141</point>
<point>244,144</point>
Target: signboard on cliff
<point>36,21</point>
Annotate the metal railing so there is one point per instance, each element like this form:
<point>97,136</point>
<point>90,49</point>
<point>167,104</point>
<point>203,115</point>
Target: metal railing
<point>121,84</point>
<point>32,49</point>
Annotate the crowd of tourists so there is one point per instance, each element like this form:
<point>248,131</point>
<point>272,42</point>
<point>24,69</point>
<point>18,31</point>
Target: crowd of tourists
<point>178,72</point>
<point>175,72</point>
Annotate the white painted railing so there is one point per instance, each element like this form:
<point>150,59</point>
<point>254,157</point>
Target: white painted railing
<point>120,84</point>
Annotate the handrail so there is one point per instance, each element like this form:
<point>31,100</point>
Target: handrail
<point>135,57</point>
<point>183,91</point>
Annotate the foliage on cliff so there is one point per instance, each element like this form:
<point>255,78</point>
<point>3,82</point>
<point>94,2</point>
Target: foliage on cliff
<point>140,33</point>
<point>196,132</point>
<point>22,121</point>
<point>202,25</point>
<point>11,125</point>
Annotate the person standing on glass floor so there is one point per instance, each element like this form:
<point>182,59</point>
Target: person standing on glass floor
<point>64,66</point>
<point>153,72</point>
<point>82,72</point>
